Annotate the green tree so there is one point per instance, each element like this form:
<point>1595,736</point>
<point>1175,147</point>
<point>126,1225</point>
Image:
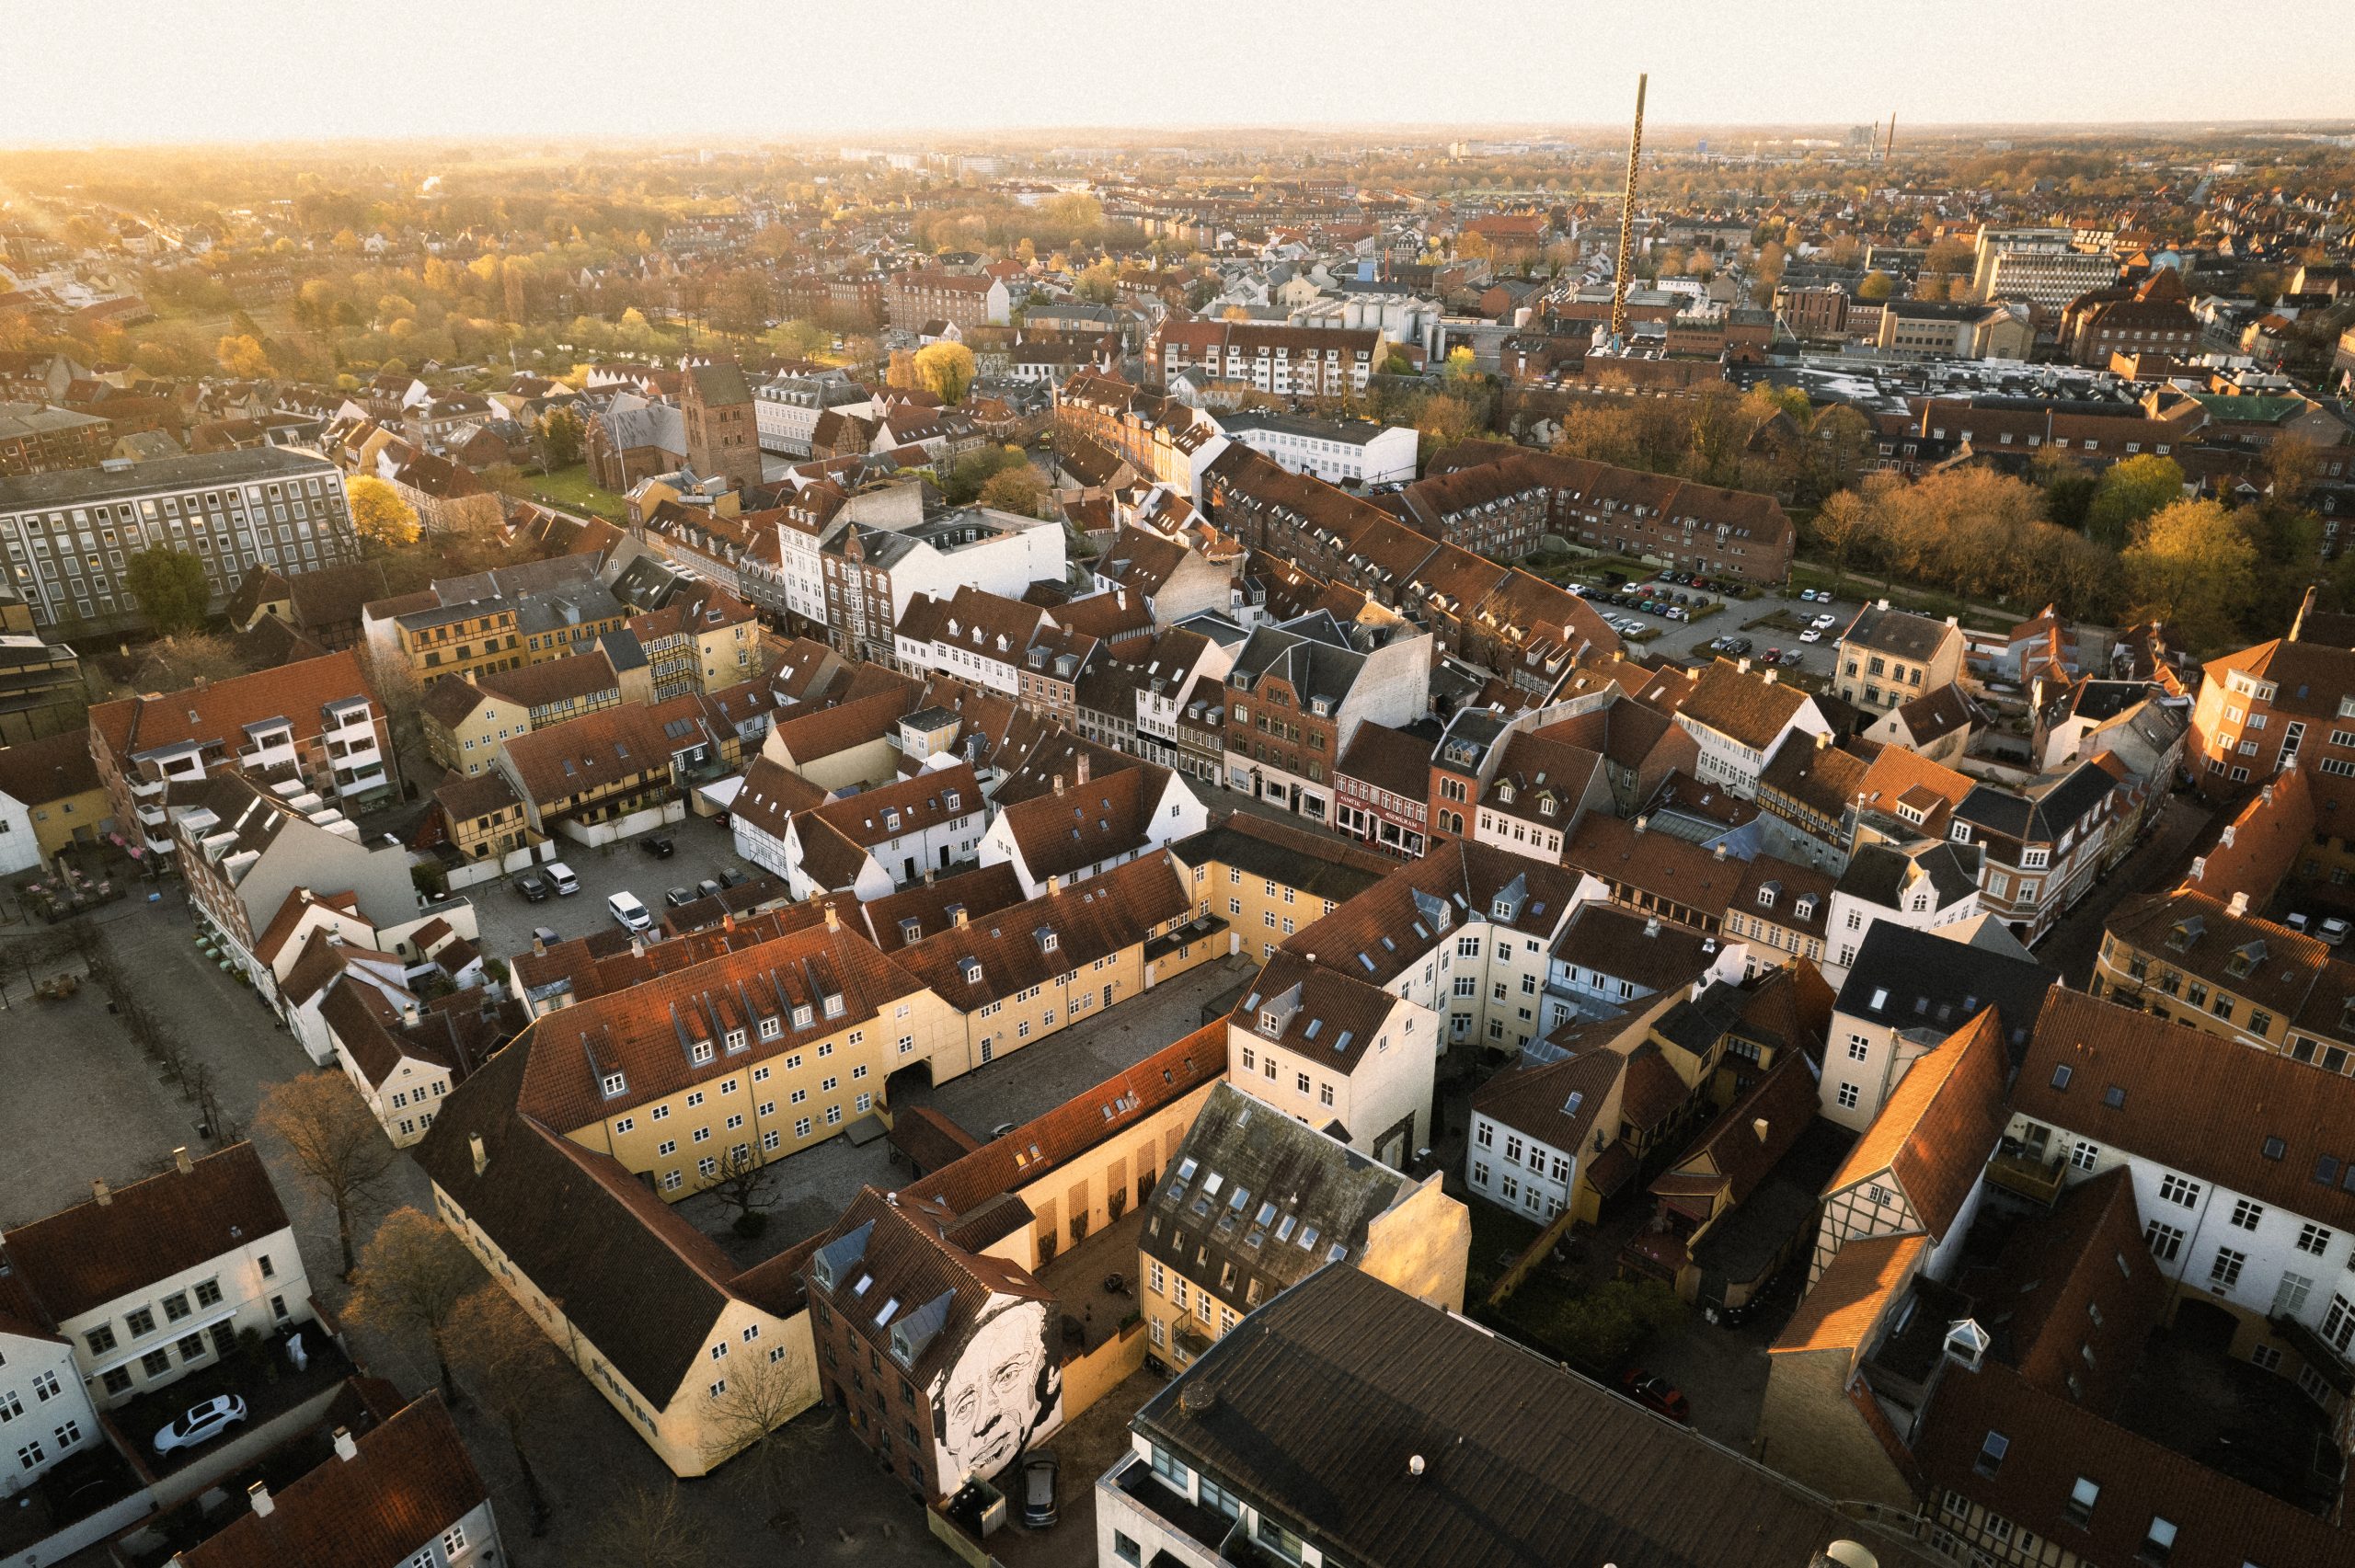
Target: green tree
<point>559,439</point>
<point>2191,564</point>
<point>2130,492</point>
<point>962,485</point>
<point>170,587</point>
<point>946,369</point>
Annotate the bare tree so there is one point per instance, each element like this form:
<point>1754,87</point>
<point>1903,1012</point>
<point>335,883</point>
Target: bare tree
<point>743,1184</point>
<point>334,1141</point>
<point>650,1527</point>
<point>744,1421</point>
<point>412,1275</point>
<point>514,1368</point>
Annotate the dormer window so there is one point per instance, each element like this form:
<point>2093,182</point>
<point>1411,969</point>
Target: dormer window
<point>834,1005</point>
<point>1271,1023</point>
<point>1803,907</point>
<point>613,1083</point>
<point>1504,794</point>
<point>771,1027</point>
<point>1766,894</point>
<point>736,1039</point>
<point>972,969</point>
<point>1501,909</point>
<point>1959,832</point>
<point>700,1052</point>
<point>801,1015</point>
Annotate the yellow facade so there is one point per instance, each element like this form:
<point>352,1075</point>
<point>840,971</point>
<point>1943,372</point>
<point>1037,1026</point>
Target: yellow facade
<point>678,1423</point>
<point>775,1104</point>
<point>1260,912</point>
<point>469,746</point>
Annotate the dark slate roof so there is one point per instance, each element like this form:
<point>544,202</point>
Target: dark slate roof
<point>1877,872</point>
<point>1917,979</point>
<point>2041,818</point>
<point>74,486</point>
<point>1313,1409</point>
<point>1271,1198</point>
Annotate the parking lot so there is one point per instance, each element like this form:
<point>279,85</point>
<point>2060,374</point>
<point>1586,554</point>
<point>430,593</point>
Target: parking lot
<point>702,849</point>
<point>1689,640</point>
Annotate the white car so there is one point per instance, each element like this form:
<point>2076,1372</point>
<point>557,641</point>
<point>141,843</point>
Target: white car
<point>201,1423</point>
<point>632,914</point>
<point>1811,636</point>
<point>1824,622</point>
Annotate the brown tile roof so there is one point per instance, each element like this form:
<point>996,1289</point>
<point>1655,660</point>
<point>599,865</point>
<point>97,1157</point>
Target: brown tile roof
<point>574,678</point>
<point>464,799</point>
<point>2219,1522</point>
<point>598,751</point>
<point>1085,823</point>
<point>1335,1016</point>
<point>1380,933</point>
<point>1663,864</point>
<point>54,766</point>
<point>2193,1102</point>
<point>410,1481</point>
<point>89,1254</point>
<point>643,1031</point>
<point>808,736</point>
<point>982,891</point>
<point>1089,919</point>
<point>1747,706</point>
<point>1387,759</point>
<point>1534,1097</point>
<point>1937,1127</point>
<point>910,1253</point>
<point>582,1229</point>
<point>772,793</point>
<point>925,800</point>
<point>218,711</point>
<point>1045,1143</point>
<point>1839,1313</point>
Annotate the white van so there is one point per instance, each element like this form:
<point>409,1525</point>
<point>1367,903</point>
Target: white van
<point>632,914</point>
<point>560,877</point>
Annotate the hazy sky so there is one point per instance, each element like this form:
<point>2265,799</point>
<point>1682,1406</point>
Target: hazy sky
<point>79,72</point>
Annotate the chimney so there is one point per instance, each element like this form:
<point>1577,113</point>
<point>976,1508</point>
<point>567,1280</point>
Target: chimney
<point>99,1190</point>
<point>1823,739</point>
<point>258,1496</point>
<point>2239,906</point>
<point>960,917</point>
<point>637,945</point>
<point>345,1448</point>
<point>833,918</point>
<point>1079,765</point>
<point>1758,1126</point>
<point>728,920</point>
<point>410,1015</point>
<point>539,946</point>
<point>1054,886</point>
<point>1950,621</point>
<point>187,1167</point>
<point>1059,783</point>
<point>1772,676</point>
<point>1643,824</point>
<point>1651,926</point>
<point>1743,665</point>
<point>1719,852</point>
<point>482,1157</point>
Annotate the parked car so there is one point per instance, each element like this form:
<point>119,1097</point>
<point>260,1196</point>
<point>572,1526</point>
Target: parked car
<point>656,845</point>
<point>1824,622</point>
<point>2333,931</point>
<point>1791,657</point>
<point>545,935</point>
<point>624,907</point>
<point>1039,1474</point>
<point>533,887</point>
<point>560,877</point>
<point>1812,635</point>
<point>707,888</point>
<point>731,878</point>
<point>675,896</point>
<point>1773,656</point>
<point>201,1423</point>
<point>1656,1394</point>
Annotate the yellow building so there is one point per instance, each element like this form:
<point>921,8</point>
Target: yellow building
<point>1256,1201</point>
<point>466,721</point>
<point>1267,880</point>
<point>1019,974</point>
<point>55,782</point>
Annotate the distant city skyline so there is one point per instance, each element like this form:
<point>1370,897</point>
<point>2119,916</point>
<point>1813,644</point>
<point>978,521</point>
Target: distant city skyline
<point>263,71</point>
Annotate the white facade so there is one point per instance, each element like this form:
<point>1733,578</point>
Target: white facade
<point>1392,1080</point>
<point>1729,761</point>
<point>1516,1171</point>
<point>1177,813</point>
<point>1919,908</point>
<point>1336,454</point>
<point>2265,1259</point>
<point>158,1334</point>
<point>45,1412</point>
<point>19,850</point>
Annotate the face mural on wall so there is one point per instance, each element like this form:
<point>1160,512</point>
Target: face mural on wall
<point>1002,1394</point>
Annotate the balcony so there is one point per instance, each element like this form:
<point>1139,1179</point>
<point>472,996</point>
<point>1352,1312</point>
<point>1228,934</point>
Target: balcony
<point>2020,1172</point>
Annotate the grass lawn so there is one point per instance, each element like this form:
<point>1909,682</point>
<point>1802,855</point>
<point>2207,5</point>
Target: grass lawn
<point>572,489</point>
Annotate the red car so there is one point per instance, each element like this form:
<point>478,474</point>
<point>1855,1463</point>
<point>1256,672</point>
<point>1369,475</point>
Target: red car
<point>1656,1394</point>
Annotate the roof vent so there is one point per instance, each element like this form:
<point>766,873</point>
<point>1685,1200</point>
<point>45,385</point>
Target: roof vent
<point>1415,1465</point>
<point>1198,1398</point>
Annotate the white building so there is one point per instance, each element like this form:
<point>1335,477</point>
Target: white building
<point>1336,451</point>
<point>1739,719</point>
<point>786,408</point>
<point>157,1280</point>
<point>2239,1160</point>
